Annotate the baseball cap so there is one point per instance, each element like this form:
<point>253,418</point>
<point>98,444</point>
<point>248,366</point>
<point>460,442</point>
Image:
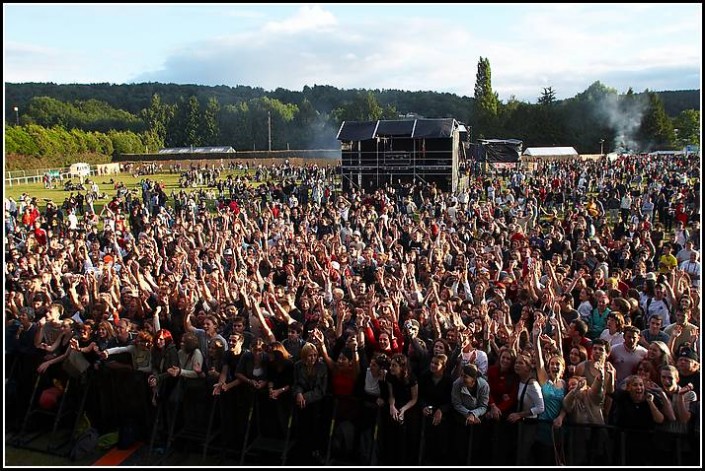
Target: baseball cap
<point>688,353</point>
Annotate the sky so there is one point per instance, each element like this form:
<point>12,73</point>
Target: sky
<point>427,47</point>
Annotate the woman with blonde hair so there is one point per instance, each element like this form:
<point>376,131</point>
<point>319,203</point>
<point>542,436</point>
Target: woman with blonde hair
<point>553,389</point>
<point>659,355</point>
<point>504,383</point>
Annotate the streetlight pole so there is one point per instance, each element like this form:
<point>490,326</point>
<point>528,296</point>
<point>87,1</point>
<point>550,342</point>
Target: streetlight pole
<point>602,142</point>
<point>17,115</point>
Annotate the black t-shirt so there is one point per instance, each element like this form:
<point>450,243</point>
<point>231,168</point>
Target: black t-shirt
<point>401,390</point>
<point>633,415</point>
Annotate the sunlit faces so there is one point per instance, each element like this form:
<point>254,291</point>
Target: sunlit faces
<point>635,387</point>
<point>654,352</point>
<point>506,361</point>
<point>310,357</point>
<point>556,367</point>
<point>384,342</point>
<point>598,352</point>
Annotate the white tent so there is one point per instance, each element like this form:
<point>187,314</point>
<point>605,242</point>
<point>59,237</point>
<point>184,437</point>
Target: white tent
<point>549,153</point>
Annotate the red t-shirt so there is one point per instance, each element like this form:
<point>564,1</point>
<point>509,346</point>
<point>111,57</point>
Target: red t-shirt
<point>41,236</point>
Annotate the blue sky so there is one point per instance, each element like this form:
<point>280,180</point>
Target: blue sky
<point>392,46</point>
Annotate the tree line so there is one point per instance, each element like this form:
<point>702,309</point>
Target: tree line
<point>59,122</point>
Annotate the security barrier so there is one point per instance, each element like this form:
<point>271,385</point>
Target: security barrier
<point>335,431</point>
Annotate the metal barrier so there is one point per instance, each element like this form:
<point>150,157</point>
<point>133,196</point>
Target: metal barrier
<point>526,443</point>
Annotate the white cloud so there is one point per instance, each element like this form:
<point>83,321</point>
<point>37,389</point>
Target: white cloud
<point>567,47</point>
<point>307,18</point>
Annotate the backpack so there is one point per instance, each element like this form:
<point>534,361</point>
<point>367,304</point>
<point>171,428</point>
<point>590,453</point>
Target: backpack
<point>84,444</point>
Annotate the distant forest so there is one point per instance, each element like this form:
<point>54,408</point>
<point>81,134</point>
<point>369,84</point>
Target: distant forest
<point>105,119</point>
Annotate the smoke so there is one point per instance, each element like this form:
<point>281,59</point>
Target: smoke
<point>321,134</point>
<point>623,113</point>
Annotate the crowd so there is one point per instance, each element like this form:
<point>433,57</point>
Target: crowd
<point>563,296</point>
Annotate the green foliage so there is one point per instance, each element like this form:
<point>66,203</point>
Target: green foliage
<point>363,107</point>
<point>156,118</point>
<point>125,142</point>
<point>105,119</point>
<point>688,125</point>
<point>548,97</point>
<point>656,128</point>
<point>487,102</point>
<point>90,115</point>
<point>210,129</point>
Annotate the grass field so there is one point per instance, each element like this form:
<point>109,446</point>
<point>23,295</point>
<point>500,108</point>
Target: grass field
<point>171,181</point>
<point>58,195</point>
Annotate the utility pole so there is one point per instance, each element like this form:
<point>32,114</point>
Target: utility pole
<point>269,129</point>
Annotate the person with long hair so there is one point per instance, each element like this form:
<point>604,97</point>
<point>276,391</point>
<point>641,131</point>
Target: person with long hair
<point>164,356</point>
<point>104,335</point>
<point>529,406</point>
<point>550,378</point>
<point>403,397</point>
<point>434,396</point>
<point>252,367</point>
<point>504,384</point>
<point>659,355</point>
<point>577,355</point>
<point>310,386</point>
<point>649,375</point>
<point>371,388</point>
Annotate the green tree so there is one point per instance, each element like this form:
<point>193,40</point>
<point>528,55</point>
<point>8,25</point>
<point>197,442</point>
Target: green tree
<point>157,117</point>
<point>688,125</point>
<point>125,142</point>
<point>363,107</point>
<point>486,101</point>
<point>656,131</point>
<point>192,131</point>
<point>548,97</point>
<point>210,131</point>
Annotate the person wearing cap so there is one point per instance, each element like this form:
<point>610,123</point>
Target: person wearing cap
<point>688,365</point>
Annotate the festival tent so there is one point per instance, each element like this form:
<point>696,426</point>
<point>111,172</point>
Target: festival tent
<point>533,154</point>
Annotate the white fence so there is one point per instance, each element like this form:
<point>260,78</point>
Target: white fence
<point>18,177</point>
